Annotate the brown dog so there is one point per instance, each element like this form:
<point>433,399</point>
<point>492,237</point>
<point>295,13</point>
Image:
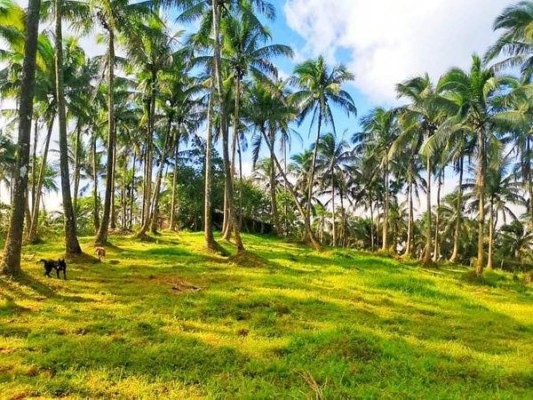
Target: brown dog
<point>99,252</point>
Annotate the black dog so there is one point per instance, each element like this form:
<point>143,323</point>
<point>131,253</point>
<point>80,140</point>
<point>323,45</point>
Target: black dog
<point>59,265</point>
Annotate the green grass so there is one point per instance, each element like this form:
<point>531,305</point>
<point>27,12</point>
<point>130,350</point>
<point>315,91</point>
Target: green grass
<point>166,320</point>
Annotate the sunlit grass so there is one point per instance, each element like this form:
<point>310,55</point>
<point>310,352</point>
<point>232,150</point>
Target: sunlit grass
<point>166,320</point>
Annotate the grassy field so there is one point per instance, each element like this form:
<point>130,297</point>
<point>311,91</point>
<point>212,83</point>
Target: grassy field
<point>165,320</point>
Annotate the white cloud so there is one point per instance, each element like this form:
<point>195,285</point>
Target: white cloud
<point>392,40</point>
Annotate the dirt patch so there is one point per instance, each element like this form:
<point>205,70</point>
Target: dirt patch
<point>247,259</point>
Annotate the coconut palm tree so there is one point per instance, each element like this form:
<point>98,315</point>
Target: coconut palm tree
<point>13,245</point>
<point>319,88</point>
<point>380,130</point>
<point>333,154</point>
<point>469,95</point>
<point>420,119</point>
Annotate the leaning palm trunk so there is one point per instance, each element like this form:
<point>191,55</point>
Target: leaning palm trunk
<point>481,170</point>
<point>208,225</point>
<point>101,236</point>
<point>32,232</point>
<point>223,125</point>
<point>315,243</point>
<point>457,234</point>
<point>71,239</point>
<point>13,246</point>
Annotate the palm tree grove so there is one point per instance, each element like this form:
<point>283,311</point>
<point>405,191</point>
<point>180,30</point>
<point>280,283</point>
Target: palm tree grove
<point>257,199</point>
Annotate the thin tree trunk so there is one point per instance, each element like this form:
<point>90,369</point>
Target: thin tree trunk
<point>372,244</point>
<point>491,234</point>
<point>436,251</point>
<point>32,233</point>
<point>223,125</point>
<point>312,174</point>
<point>333,209</point>
<point>101,236</point>
<point>132,191</point>
<point>34,170</point>
<point>113,211</point>
<point>96,214</point>
<point>149,166</point>
<point>155,201</point>
<point>481,193</point>
<point>174,200</point>
<point>71,240</point>
<point>10,263</point>
<point>457,233</point>
<point>427,251</point>
<point>273,200</point>
<point>77,167</point>
<point>408,246</point>
<point>208,224</point>
<point>385,242</point>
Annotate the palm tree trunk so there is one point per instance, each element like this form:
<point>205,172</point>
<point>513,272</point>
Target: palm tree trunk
<point>34,169</point>
<point>11,259</point>
<point>372,245</point>
<point>71,239</point>
<point>315,243</point>
<point>312,174</point>
<point>481,195</point>
<point>112,211</point>
<point>427,251</point>
<point>96,214</point>
<point>457,233</point>
<point>32,233</point>
<point>333,211</point>
<point>408,245</point>
<point>436,250</point>
<point>77,167</point>
<point>155,201</point>
<point>491,233</point>
<point>273,190</point>
<point>123,193</point>
<point>132,190</point>
<point>101,236</point>
<point>174,200</point>
<point>223,124</point>
<point>385,246</point>
<point>208,224</point>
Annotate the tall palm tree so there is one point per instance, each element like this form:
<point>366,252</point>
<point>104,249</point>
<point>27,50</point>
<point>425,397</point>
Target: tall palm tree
<point>13,246</point>
<point>421,118</point>
<point>319,88</point>
<point>469,95</point>
<point>380,130</point>
<point>114,16</point>
<point>333,154</point>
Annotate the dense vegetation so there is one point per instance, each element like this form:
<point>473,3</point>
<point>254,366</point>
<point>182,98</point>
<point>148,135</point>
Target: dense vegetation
<point>165,320</point>
<point>143,120</point>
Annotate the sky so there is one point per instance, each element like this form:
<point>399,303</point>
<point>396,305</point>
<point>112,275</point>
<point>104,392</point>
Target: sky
<point>382,42</point>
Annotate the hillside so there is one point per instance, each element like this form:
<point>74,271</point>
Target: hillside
<point>165,320</point>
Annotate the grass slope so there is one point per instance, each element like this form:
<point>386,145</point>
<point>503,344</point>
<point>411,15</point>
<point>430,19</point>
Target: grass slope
<point>164,320</point>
